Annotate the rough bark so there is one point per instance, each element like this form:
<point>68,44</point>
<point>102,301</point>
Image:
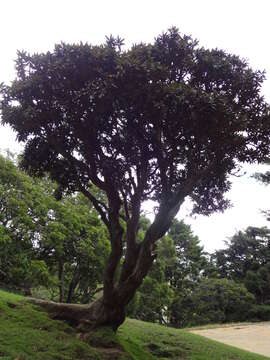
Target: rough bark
<point>85,317</point>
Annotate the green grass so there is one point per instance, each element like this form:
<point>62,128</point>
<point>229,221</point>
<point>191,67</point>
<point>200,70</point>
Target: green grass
<point>160,342</point>
<point>26,333</point>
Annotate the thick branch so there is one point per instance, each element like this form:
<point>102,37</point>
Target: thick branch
<point>125,202</point>
<point>162,161</point>
<point>97,204</point>
<point>116,234</point>
<point>185,189</point>
<point>132,223</point>
<point>159,227</point>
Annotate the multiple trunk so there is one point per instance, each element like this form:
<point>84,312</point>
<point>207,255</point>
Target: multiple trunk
<point>117,293</point>
<point>110,309</point>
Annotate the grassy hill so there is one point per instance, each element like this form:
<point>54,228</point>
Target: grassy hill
<point>26,332</point>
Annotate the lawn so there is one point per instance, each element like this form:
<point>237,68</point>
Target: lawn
<point>26,332</point>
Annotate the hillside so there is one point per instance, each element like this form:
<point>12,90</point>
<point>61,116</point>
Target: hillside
<point>26,332</point>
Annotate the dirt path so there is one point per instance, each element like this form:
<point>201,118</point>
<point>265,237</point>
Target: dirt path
<point>251,337</point>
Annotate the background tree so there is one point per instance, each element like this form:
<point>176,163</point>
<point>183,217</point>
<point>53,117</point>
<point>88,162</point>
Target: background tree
<point>176,271</point>
<point>41,237</point>
<point>23,207</point>
<point>213,301</point>
<point>75,245</point>
<point>190,259</point>
<point>247,259</point>
<point>161,121</point>
<point>154,297</point>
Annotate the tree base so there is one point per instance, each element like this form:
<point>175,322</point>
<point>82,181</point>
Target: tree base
<point>84,317</point>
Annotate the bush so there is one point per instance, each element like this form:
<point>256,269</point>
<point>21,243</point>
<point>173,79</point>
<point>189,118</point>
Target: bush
<point>213,301</point>
<point>260,312</point>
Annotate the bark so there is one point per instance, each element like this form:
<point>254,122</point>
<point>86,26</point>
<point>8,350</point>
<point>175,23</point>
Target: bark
<point>116,235</point>
<point>61,280</point>
<point>113,261</point>
<point>146,255</point>
<point>110,309</point>
<point>85,317</point>
<point>132,252</point>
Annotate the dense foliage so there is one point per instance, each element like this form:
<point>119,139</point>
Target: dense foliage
<point>45,242</point>
<point>247,259</point>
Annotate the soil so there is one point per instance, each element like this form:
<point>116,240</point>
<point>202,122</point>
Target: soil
<point>251,337</point>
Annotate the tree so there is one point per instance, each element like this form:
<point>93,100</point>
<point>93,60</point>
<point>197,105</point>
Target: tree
<point>179,267</point>
<point>213,301</point>
<point>23,207</point>
<point>41,237</point>
<point>190,259</point>
<point>247,259</point>
<point>74,243</point>
<point>161,121</point>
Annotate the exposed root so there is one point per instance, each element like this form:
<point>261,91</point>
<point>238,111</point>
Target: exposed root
<point>84,317</point>
<point>75,314</point>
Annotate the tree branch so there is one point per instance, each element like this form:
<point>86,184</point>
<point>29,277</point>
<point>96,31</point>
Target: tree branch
<point>132,224</point>
<point>116,234</point>
<point>97,204</point>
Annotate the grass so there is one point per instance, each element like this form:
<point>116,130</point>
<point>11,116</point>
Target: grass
<point>160,342</point>
<point>26,333</point>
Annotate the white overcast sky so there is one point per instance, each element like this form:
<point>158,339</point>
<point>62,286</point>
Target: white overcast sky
<point>240,26</point>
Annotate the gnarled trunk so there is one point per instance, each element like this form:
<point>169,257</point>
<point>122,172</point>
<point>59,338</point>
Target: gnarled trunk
<point>85,317</point>
<point>109,310</point>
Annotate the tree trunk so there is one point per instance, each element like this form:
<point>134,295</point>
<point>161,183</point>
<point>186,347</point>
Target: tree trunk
<point>72,286</point>
<point>110,309</point>
<point>85,317</point>
<point>61,280</point>
<point>106,311</point>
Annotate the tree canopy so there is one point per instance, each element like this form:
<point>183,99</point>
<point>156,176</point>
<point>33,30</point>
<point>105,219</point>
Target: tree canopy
<point>158,121</point>
<point>158,115</point>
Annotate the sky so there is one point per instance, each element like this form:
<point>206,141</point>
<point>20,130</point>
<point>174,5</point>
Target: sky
<point>240,27</point>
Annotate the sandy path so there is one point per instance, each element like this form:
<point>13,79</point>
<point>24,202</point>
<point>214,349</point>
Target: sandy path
<point>251,337</point>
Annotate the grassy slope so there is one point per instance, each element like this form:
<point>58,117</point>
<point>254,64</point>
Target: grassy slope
<point>27,333</point>
<point>168,343</point>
